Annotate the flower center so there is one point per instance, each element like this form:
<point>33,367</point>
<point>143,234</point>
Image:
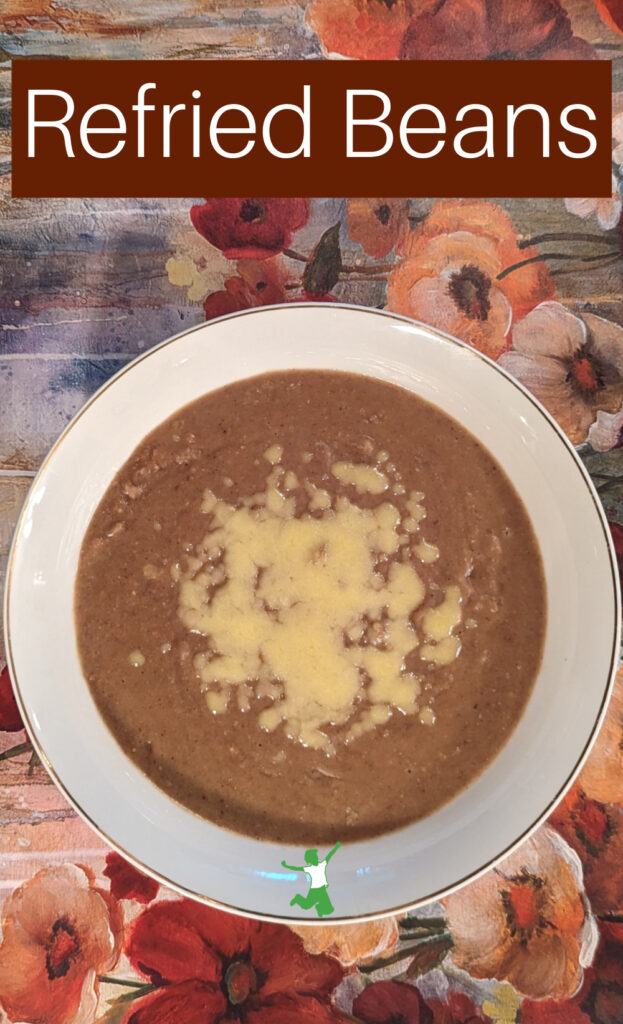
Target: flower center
<point>252,210</point>
<point>523,902</point>
<point>469,287</point>
<point>383,213</point>
<point>62,948</point>
<point>240,981</point>
<point>584,371</point>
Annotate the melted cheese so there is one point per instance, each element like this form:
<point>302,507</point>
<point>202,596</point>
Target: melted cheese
<point>426,552</point>
<point>365,479</point>
<point>297,610</point>
<point>439,622</point>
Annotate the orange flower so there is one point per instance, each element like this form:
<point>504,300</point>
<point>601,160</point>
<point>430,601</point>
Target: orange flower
<point>365,29</point>
<point>377,224</point>
<point>526,921</point>
<point>451,275</point>
<point>350,943</point>
<point>57,934</point>
<point>451,284</point>
<point>476,215</point>
<point>602,775</point>
<point>524,287</point>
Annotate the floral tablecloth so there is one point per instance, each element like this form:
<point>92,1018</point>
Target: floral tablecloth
<point>86,286</point>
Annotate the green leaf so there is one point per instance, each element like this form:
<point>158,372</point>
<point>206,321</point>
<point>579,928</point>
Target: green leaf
<point>323,267</point>
<point>428,955</point>
<point>441,943</point>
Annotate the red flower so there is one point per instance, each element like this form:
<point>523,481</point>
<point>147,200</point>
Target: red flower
<point>595,831</point>
<point>208,966</point>
<point>364,29</point>
<point>10,718</point>
<point>387,1002</point>
<point>458,1009</point>
<point>551,1012</point>
<point>261,283</point>
<point>611,11</point>
<point>126,883</point>
<point>602,997</point>
<point>487,29</point>
<point>250,228</point>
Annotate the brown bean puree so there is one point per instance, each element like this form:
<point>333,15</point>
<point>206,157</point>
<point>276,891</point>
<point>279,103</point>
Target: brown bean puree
<point>311,607</point>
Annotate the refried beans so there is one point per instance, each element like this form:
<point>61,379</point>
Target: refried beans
<point>311,607</point>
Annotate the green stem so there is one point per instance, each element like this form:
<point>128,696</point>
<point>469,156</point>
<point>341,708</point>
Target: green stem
<point>555,256</point>
<point>21,748</point>
<point>367,278</point>
<point>427,923</point>
<point>372,268</point>
<point>404,954</point>
<point>109,979</point>
<point>292,255</point>
<point>565,236</point>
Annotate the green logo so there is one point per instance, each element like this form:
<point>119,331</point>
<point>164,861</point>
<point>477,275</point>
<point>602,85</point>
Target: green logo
<point>316,870</point>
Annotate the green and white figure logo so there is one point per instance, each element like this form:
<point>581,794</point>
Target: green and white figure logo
<point>316,870</point>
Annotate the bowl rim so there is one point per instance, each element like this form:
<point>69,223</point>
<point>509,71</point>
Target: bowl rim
<point>582,756</point>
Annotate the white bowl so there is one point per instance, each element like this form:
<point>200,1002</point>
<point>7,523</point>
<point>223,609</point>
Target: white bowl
<point>400,869</point>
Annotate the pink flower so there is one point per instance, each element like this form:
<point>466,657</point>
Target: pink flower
<point>525,921</point>
<point>607,210</point>
<point>606,432</point>
<point>58,933</point>
<point>573,364</point>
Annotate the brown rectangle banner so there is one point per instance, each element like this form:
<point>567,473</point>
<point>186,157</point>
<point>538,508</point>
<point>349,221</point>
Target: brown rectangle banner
<point>292,128</point>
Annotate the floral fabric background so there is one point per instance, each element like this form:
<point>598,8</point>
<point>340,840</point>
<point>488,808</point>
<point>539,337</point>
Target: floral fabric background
<point>86,286</point>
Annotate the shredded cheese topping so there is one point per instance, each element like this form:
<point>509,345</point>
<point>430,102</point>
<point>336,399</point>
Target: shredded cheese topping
<point>313,613</point>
